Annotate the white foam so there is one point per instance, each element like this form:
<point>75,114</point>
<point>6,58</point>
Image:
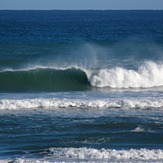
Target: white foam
<point>89,153</point>
<point>98,155</point>
<point>127,103</point>
<point>138,129</point>
<point>148,75</point>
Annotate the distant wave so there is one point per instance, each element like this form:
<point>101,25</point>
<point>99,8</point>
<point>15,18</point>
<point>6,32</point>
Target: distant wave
<point>98,155</point>
<point>49,79</point>
<point>52,103</point>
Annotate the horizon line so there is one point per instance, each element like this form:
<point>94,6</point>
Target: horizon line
<point>80,9</point>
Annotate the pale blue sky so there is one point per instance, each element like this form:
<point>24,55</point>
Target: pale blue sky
<point>81,4</point>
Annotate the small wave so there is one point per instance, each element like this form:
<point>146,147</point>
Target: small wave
<point>98,155</point>
<point>139,129</point>
<point>76,103</point>
<point>148,75</point>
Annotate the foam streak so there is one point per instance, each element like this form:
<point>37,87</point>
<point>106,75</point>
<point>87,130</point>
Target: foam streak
<point>141,103</point>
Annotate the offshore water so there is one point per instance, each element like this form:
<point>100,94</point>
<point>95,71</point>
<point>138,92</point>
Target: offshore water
<point>81,86</point>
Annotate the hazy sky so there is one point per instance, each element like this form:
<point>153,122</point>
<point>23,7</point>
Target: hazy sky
<point>81,4</point>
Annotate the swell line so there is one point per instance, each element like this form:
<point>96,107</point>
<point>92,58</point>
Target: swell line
<point>34,80</point>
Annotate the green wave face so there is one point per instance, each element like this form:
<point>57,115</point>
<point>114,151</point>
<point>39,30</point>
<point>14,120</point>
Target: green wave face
<point>45,80</point>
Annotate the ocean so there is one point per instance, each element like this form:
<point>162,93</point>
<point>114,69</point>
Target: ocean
<point>81,86</point>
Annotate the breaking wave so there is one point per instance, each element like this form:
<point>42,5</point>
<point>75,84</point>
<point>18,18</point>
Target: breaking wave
<point>148,75</point>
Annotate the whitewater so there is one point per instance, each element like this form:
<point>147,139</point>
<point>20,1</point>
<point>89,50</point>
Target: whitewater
<point>142,103</point>
<point>94,155</point>
<point>149,74</point>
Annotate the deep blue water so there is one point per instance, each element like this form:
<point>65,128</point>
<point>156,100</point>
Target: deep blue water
<point>81,86</point>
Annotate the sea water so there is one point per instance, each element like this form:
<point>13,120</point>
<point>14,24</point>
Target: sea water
<point>81,86</point>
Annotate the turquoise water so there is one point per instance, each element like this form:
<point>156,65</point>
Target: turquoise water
<point>81,86</point>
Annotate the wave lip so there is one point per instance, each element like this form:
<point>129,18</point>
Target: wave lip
<point>129,103</point>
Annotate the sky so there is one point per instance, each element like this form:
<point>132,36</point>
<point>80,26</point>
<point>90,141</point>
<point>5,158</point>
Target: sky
<point>80,4</point>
